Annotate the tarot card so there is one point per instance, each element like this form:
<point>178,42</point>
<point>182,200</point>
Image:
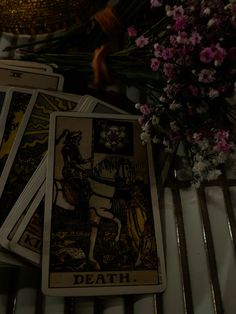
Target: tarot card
<point>28,78</point>
<point>30,145</point>
<point>15,105</point>
<point>27,65</point>
<point>21,229</point>
<point>111,243</point>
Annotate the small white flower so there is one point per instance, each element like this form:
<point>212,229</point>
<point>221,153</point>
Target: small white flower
<point>196,136</point>
<point>211,22</point>
<point>213,174</point>
<point>137,105</point>
<point>167,146</point>
<point>221,157</point>
<point>155,139</point>
<point>169,12</point>
<point>199,157</point>
<point>155,120</point>
<point>174,105</point>
<point>228,6</point>
<point>203,144</point>
<point>145,127</point>
<point>213,93</point>
<point>168,149</point>
<point>191,8</point>
<point>207,11</point>
<point>165,142</point>
<point>162,99</point>
<point>173,126</point>
<point>201,109</point>
<point>199,166</point>
<point>145,137</point>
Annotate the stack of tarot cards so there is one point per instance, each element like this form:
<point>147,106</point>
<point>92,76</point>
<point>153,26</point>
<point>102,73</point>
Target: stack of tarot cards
<point>78,196</point>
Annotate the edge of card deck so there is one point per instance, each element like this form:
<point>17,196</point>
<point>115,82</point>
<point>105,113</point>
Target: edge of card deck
<point>24,202</point>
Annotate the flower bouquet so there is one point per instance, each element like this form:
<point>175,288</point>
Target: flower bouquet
<point>196,54</point>
<point>182,54</point>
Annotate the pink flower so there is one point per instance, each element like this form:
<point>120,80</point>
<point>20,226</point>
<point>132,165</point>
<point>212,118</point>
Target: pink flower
<point>167,53</point>
<point>195,38</point>
<point>157,50</point>
<point>219,55</point>
<point>222,146</point>
<point>178,12</point>
<point>182,38</point>
<point>181,23</point>
<point>141,41</point>
<point>155,63</point>
<point>206,76</point>
<point>207,55</point>
<point>132,32</point>
<point>172,90</point>
<point>155,3</point>
<point>183,52</point>
<point>221,135</point>
<point>173,40</point>
<point>145,109</point>
<point>194,90</point>
<point>169,70</point>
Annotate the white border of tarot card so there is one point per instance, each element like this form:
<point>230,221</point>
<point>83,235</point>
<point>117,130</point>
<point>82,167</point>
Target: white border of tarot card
<point>14,245</point>
<point>88,104</point>
<point>3,89</point>
<point>37,82</point>
<point>19,210</point>
<point>6,106</point>
<point>27,65</point>
<point>68,289</point>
